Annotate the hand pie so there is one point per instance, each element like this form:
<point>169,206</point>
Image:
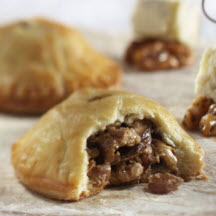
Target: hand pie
<point>42,62</point>
<point>202,113</point>
<point>98,138</point>
<point>164,32</point>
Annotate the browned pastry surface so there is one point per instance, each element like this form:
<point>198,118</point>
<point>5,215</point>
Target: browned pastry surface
<point>42,62</point>
<point>157,54</point>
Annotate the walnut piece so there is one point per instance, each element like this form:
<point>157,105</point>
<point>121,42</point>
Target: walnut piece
<point>166,153</point>
<point>99,175</point>
<point>197,110</point>
<point>208,122</point>
<point>128,172</point>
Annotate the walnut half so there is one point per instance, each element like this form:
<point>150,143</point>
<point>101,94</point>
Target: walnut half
<point>197,110</point>
<point>208,122</point>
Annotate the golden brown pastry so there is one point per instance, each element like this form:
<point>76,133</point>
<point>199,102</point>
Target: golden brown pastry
<point>42,62</point>
<point>97,138</point>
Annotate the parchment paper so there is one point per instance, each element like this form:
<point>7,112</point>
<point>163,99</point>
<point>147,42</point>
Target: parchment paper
<point>174,90</point>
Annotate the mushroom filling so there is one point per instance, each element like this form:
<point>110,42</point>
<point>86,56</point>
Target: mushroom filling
<point>158,54</point>
<point>128,153</point>
<point>201,115</point>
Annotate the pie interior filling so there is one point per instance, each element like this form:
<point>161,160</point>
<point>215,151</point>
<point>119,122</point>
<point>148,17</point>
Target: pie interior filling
<point>157,54</point>
<point>131,153</point>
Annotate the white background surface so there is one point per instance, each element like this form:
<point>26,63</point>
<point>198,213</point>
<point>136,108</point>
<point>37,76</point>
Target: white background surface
<point>103,15</point>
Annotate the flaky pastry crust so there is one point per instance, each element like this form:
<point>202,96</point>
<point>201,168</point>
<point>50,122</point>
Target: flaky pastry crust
<point>42,62</point>
<point>51,158</point>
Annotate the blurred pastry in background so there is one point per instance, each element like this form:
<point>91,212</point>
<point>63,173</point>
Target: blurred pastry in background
<point>42,62</point>
<point>100,138</point>
<point>202,113</point>
<point>164,33</point>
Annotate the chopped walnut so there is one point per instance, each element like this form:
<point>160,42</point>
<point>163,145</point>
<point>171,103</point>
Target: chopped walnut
<point>194,114</point>
<point>115,138</point>
<point>166,153</point>
<point>93,153</point>
<point>99,174</point>
<point>125,136</point>
<point>141,126</point>
<point>208,122</point>
<point>128,172</point>
<point>164,183</point>
<point>148,157</point>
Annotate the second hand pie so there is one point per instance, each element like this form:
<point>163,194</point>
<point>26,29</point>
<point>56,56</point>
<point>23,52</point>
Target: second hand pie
<point>98,138</point>
<point>43,62</point>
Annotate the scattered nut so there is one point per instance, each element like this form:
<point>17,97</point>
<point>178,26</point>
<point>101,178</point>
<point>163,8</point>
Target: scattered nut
<point>208,122</point>
<point>194,114</point>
